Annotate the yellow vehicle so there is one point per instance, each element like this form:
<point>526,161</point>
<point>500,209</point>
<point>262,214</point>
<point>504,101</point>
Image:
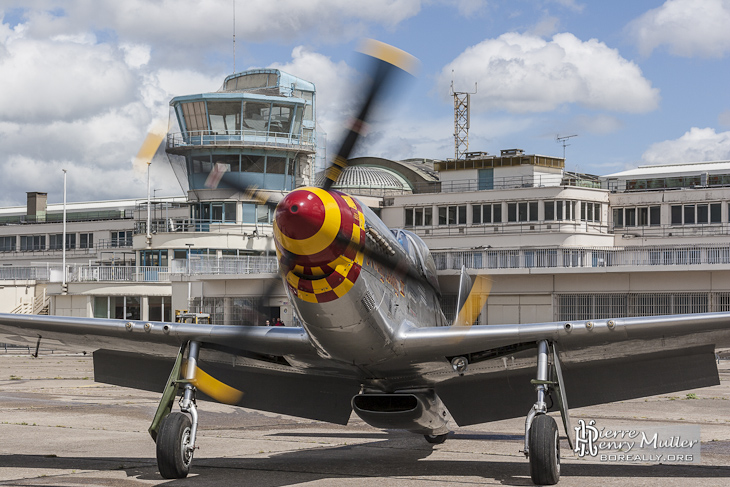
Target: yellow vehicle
<point>182,316</point>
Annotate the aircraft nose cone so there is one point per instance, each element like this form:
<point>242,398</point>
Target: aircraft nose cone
<point>314,228</point>
<point>300,215</point>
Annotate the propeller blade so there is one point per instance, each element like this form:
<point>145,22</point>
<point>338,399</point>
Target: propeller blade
<point>474,302</point>
<point>388,60</point>
<point>151,143</point>
<point>216,389</point>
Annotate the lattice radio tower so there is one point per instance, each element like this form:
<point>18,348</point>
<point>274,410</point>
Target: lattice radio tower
<point>461,121</point>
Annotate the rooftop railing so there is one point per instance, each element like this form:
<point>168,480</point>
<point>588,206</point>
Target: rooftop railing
<point>491,229</point>
<point>194,138</point>
<point>527,258</point>
<point>534,181</point>
<point>656,257</point>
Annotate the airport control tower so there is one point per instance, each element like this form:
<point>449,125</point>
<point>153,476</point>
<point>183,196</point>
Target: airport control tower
<point>261,126</point>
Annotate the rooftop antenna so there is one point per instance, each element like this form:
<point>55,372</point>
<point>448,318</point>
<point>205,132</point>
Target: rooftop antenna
<point>234,36</point>
<point>461,120</point>
<point>564,140</point>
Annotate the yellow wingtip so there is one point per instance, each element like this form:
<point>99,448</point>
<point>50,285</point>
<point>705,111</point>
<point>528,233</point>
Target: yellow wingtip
<point>389,54</point>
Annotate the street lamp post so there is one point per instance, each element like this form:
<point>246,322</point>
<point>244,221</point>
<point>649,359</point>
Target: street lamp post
<point>64,289</point>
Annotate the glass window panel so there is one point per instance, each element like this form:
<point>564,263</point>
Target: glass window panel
<point>427,216</point>
<point>643,217</point>
<point>133,308</point>
<point>256,116</point>
<point>486,213</point>
<point>462,215</point>
<point>275,165</point>
<point>231,161</point>
<point>655,215</point>
<point>630,217</point>
<point>497,213</point>
<point>281,117</point>
<point>252,163</point>
<point>155,308</point>
<point>676,215</point>
<point>533,211</point>
<point>225,117</point>
<point>689,214</point>
<point>409,217</point>
<point>549,208</point>
<point>618,217</point>
<point>101,307</point>
<point>559,208</point>
<point>229,211</point>
<point>511,212</point>
<point>418,220</point>
<point>522,211</point>
<point>257,80</point>
<point>195,118</point>
<point>452,215</point>
<point>309,107</point>
<point>583,212</point>
<point>715,213</point>
<point>442,215</point>
<point>703,213</point>
<point>262,214</point>
<point>217,213</point>
<point>476,214</point>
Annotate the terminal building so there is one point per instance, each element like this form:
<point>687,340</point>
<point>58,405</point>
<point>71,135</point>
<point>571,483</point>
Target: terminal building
<point>555,245</point>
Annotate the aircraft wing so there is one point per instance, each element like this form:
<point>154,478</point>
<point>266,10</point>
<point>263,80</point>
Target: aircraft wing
<point>157,338</point>
<point>602,360</point>
<point>141,354</point>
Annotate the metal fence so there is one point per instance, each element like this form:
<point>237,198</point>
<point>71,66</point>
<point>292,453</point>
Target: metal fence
<point>583,257</point>
<point>240,137</point>
<point>589,306</point>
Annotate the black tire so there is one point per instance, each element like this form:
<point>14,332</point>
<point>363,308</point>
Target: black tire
<point>436,439</point>
<point>173,458</point>
<point>544,451</point>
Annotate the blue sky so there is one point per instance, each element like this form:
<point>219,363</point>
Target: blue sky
<point>638,82</point>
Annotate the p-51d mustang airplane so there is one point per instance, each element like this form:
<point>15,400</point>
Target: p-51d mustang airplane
<point>375,340</point>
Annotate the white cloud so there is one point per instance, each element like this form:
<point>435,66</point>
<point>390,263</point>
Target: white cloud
<point>599,124</point>
<point>687,27</point>
<point>192,23</point>
<point>524,73</point>
<point>61,80</point>
<point>724,118</point>
<point>697,145</point>
<point>334,82</point>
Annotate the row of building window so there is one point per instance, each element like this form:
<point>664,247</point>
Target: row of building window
<point>130,307</point>
<point>518,211</point>
<point>29,243</point>
<point>688,214</point>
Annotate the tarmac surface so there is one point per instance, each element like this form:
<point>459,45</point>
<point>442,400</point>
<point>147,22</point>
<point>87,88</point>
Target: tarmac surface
<point>60,428</point>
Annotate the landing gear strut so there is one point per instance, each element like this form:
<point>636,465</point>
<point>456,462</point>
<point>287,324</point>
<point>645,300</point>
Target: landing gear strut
<point>542,441</point>
<point>175,433</point>
<point>436,439</point>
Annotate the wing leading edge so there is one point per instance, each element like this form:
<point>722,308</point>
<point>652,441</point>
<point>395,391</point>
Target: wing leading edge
<point>157,338</point>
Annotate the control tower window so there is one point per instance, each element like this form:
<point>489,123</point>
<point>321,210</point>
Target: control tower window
<point>258,80</point>
<point>256,116</point>
<point>252,163</point>
<point>281,117</point>
<point>194,113</point>
<point>309,108</point>
<point>225,117</point>
<point>275,165</point>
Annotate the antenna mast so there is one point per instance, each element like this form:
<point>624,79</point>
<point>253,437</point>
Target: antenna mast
<point>234,36</point>
<point>461,120</point>
<point>564,141</point>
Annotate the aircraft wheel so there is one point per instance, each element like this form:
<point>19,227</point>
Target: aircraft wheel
<point>544,451</point>
<point>436,439</point>
<point>173,456</point>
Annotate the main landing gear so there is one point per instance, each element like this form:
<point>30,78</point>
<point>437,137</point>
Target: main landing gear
<point>542,441</point>
<point>175,433</point>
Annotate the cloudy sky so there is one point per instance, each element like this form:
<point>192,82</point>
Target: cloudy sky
<point>82,81</point>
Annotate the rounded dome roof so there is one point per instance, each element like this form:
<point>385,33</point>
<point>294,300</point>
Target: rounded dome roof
<point>354,178</point>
